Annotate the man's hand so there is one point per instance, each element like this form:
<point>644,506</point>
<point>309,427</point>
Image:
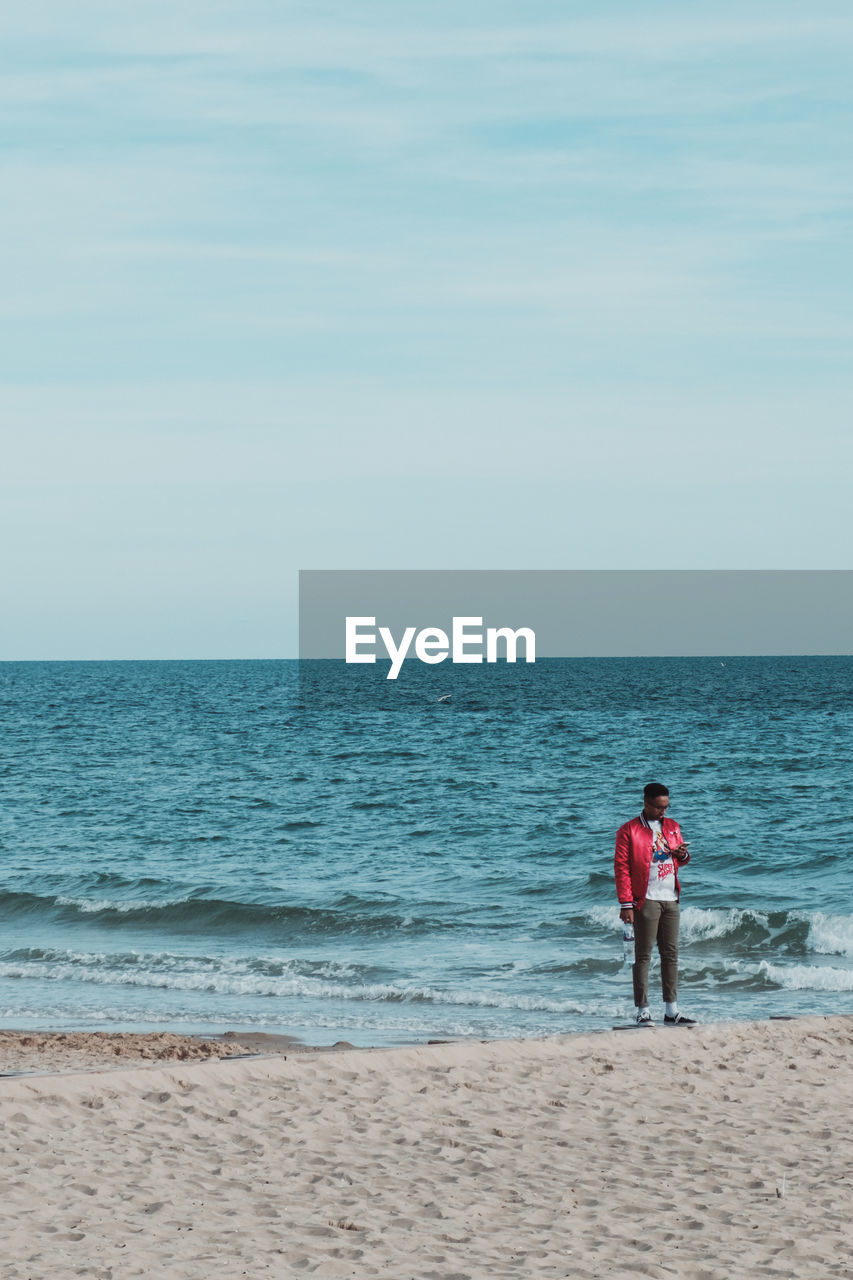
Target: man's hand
<point>682,853</point>
<point>626,915</point>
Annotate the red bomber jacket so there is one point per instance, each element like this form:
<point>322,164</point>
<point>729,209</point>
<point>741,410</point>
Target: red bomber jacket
<point>634,858</point>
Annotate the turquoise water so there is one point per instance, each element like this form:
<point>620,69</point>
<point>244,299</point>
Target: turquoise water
<point>215,845</point>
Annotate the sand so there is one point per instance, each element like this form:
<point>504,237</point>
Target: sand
<point>715,1152</point>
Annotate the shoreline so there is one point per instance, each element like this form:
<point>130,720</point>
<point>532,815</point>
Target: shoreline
<point>25,1053</point>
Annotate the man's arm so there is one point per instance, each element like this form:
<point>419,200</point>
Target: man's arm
<point>680,851</point>
<point>622,869</point>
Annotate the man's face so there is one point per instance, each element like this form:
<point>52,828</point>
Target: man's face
<point>656,807</point>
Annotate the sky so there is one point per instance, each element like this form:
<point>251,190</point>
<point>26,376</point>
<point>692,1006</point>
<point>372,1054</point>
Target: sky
<point>411,285</point>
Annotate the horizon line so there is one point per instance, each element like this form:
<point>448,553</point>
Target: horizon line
<point>552,657</point>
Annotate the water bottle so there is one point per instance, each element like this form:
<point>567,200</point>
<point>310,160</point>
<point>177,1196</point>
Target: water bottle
<point>627,943</point>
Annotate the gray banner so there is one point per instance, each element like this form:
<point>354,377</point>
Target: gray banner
<point>582,613</point>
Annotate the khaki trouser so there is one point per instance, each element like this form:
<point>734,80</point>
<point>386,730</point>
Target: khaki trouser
<point>656,922</point>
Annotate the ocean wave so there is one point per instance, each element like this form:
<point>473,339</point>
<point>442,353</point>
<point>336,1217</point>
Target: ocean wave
<point>373,1024</point>
<point>798,977</point>
<point>830,935</point>
<point>120,906</point>
<point>816,932</point>
<point>697,924</point>
<point>166,962</point>
<point>192,912</point>
<point>242,978</point>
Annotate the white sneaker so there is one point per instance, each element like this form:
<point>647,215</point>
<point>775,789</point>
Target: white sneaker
<point>644,1019</point>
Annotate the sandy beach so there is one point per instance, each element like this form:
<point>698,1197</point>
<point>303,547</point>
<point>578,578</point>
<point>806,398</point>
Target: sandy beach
<point>713,1152</point>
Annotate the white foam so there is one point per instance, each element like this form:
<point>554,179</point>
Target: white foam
<point>699,924</point>
<point>91,906</point>
<point>829,935</point>
<point>607,917</point>
<point>807,977</point>
<point>412,1021</point>
<point>177,973</point>
<point>795,977</point>
<point>696,923</point>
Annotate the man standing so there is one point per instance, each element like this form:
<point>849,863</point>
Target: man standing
<point>649,850</point>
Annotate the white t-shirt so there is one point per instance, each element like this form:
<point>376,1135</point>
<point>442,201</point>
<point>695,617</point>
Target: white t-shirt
<point>662,869</point>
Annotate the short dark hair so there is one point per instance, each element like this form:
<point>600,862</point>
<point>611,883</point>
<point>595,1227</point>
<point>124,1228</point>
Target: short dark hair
<point>653,789</point>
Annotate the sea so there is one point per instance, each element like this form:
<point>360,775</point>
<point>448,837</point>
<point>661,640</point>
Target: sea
<point>314,850</point>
